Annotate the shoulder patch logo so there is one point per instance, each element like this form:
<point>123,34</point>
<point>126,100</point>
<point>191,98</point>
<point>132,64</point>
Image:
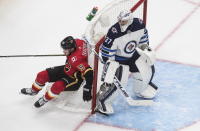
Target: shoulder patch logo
<point>114,30</point>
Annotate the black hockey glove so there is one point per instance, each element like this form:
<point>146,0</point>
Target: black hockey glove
<point>87,93</point>
<point>88,75</point>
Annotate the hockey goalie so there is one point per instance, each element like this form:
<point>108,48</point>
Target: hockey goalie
<point>126,52</point>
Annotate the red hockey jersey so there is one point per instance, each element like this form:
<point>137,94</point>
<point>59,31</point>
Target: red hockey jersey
<point>77,60</point>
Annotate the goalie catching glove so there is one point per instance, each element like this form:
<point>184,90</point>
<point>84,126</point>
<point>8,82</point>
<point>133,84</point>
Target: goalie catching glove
<point>88,76</point>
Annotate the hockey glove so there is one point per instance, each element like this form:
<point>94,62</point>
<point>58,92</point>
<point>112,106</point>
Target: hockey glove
<point>88,75</point>
<point>87,93</point>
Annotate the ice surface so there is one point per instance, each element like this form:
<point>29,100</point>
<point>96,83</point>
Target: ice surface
<point>37,27</point>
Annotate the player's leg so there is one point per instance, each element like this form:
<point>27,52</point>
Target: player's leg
<point>66,83</point>
<point>105,97</point>
<point>142,80</point>
<point>51,93</point>
<point>107,90</point>
<point>48,75</point>
<point>149,92</point>
<point>75,83</point>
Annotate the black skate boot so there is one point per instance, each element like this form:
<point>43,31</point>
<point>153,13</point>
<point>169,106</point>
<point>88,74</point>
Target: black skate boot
<point>28,91</point>
<point>40,102</point>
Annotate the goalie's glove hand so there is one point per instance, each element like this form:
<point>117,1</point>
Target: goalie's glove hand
<point>87,93</point>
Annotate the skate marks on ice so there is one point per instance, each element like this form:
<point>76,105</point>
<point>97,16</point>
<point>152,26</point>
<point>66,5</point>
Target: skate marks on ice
<point>177,102</point>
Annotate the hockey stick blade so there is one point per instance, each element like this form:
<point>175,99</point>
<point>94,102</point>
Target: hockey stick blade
<point>132,102</point>
<point>129,100</point>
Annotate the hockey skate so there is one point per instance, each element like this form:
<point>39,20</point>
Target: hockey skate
<point>40,102</point>
<point>28,91</point>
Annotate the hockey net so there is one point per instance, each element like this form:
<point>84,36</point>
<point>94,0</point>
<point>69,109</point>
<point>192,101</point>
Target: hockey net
<point>95,32</point>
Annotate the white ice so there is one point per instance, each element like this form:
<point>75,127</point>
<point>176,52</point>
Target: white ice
<point>37,27</point>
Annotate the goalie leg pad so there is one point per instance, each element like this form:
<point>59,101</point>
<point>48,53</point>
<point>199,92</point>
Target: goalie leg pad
<point>149,92</point>
<point>142,79</point>
<point>138,84</point>
<point>107,92</point>
<point>145,70</point>
<point>105,96</point>
<point>109,71</point>
<point>123,74</point>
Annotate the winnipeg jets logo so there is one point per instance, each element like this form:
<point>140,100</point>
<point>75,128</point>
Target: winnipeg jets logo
<point>114,30</point>
<point>130,47</point>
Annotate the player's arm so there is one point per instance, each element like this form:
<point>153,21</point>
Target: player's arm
<point>87,73</point>
<point>144,49</point>
<point>88,76</point>
<point>144,40</point>
<point>108,50</point>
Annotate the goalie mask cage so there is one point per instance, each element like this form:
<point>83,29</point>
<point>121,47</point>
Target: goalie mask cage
<point>95,32</point>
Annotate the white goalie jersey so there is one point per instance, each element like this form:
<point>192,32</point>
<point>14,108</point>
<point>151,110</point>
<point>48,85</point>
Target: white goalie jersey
<point>121,45</point>
<point>130,47</point>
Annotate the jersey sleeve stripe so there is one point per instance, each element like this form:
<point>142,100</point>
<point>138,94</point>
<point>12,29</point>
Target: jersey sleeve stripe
<point>144,41</point>
<point>107,49</point>
<point>145,36</point>
<point>106,55</point>
<point>121,58</point>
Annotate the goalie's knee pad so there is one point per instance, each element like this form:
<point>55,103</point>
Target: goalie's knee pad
<point>138,84</point>
<point>142,88</point>
<point>149,92</point>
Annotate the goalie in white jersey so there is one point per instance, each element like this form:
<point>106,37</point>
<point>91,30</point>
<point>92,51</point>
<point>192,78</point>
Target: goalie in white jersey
<point>126,50</point>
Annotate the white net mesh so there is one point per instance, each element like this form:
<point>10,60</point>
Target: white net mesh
<point>106,17</point>
<point>98,27</point>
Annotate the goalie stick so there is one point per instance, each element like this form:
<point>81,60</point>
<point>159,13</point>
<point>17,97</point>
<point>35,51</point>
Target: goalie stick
<point>117,83</point>
<point>129,100</point>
